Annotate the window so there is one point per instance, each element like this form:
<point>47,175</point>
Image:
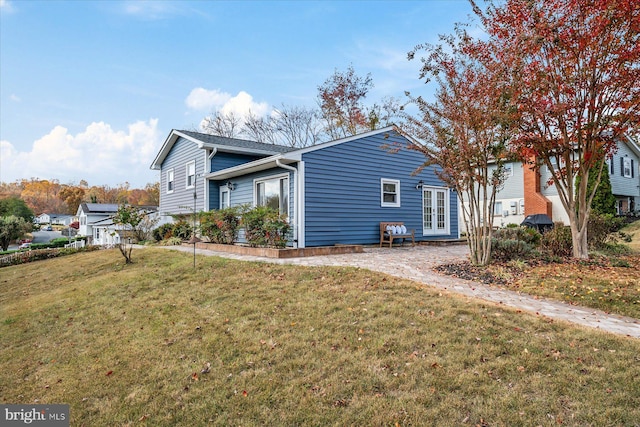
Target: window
<point>627,167</point>
<point>274,193</point>
<point>224,197</point>
<point>170,181</point>
<point>497,209</point>
<point>191,174</point>
<point>389,193</point>
<point>435,211</point>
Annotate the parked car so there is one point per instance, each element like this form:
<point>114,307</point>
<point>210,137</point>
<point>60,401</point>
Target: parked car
<point>49,228</point>
<point>24,246</point>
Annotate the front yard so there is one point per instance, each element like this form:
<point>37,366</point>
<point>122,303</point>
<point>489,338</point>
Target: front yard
<point>237,343</point>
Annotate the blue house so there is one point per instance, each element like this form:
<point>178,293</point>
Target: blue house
<point>333,193</point>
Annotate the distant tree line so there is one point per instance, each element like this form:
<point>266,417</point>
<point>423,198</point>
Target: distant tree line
<point>49,196</point>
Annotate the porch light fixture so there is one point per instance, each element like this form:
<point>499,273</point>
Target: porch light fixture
<point>419,185</point>
<point>231,186</point>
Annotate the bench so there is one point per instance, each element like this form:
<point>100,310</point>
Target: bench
<point>395,230</point>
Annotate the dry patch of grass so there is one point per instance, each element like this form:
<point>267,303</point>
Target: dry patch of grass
<point>611,287</point>
<point>237,343</point>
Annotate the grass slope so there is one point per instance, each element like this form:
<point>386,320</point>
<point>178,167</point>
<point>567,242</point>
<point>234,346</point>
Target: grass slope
<point>286,345</point>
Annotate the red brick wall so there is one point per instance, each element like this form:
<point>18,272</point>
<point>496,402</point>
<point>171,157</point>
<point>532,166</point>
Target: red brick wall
<point>534,201</point>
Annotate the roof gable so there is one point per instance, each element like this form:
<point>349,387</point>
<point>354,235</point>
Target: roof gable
<point>214,142</point>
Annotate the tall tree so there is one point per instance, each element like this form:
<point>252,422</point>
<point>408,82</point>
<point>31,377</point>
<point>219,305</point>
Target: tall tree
<point>72,196</point>
<point>16,207</point>
<point>341,99</point>
<point>42,195</point>
<point>297,127</point>
<point>465,130</point>
<point>576,86</point>
<point>228,125</point>
<point>11,228</point>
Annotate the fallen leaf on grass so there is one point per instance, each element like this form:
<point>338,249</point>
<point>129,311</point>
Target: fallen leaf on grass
<point>206,369</point>
<point>109,373</point>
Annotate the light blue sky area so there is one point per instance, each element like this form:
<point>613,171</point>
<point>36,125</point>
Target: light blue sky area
<point>90,89</point>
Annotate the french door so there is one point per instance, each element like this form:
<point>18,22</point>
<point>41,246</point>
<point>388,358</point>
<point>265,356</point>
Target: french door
<point>435,211</point>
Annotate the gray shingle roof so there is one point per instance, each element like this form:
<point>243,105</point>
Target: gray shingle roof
<point>233,142</point>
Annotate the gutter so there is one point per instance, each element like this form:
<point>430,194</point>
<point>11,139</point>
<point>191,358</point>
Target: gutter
<point>296,219</point>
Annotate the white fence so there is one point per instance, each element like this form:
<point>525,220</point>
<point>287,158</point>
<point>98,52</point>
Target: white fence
<point>76,245</point>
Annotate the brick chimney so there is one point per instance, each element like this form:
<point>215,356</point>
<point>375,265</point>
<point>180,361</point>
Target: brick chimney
<point>534,201</point>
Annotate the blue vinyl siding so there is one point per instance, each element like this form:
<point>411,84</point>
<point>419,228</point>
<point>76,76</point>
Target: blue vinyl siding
<point>342,192</point>
<point>182,152</point>
<point>228,160</point>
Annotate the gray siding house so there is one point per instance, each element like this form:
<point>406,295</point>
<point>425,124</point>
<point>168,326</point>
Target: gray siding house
<point>523,188</point>
<point>333,193</point>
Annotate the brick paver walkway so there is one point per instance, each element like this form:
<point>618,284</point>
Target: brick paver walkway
<point>416,263</point>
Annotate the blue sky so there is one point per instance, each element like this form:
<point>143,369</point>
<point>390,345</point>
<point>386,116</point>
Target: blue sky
<point>91,89</point>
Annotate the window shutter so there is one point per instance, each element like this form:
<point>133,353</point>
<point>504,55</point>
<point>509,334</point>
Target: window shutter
<point>621,166</point>
<point>632,169</point>
<point>611,165</point>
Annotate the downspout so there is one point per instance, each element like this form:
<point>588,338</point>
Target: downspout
<point>296,201</point>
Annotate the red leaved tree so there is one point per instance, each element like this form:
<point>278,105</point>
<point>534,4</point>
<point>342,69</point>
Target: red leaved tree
<point>465,130</point>
<point>576,87</point>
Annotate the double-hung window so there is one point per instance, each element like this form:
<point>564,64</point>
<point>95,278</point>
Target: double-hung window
<point>273,192</point>
<point>389,193</point>
<point>191,174</point>
<point>170,181</point>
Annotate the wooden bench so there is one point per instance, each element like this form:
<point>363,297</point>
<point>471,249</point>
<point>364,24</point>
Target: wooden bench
<point>387,235</point>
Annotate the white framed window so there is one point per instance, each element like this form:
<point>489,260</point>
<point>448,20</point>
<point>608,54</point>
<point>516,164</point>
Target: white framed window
<point>389,193</point>
<point>497,209</point>
<point>191,174</point>
<point>627,165</point>
<point>272,192</point>
<point>170,181</point>
<point>225,197</point>
<point>435,211</point>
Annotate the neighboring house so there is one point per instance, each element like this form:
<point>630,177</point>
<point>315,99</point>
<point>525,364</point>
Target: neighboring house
<point>333,193</point>
<point>59,219</point>
<point>90,213</point>
<point>525,192</point>
<point>106,232</point>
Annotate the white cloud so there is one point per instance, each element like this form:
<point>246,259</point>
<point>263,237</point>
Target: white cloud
<point>99,154</point>
<point>203,99</point>
<point>150,10</point>
<point>6,6</point>
<point>240,105</point>
<point>15,98</point>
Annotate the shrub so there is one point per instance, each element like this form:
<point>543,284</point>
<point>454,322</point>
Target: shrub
<point>514,242</point>
<point>600,229</point>
<point>171,241</point>
<point>165,231</point>
<point>264,226</point>
<point>557,241</point>
<point>182,229</point>
<point>221,226</point>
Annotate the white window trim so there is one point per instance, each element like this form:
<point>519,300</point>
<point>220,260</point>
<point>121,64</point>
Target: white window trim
<point>224,189</point>
<point>186,178</point>
<point>269,178</point>
<point>384,204</point>
<point>172,172</point>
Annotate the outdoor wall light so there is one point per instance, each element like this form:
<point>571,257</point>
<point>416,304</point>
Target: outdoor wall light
<point>231,186</point>
<point>419,185</point>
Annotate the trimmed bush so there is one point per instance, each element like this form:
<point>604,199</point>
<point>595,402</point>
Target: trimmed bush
<point>264,226</point>
<point>557,241</point>
<point>514,242</point>
<point>221,226</point>
<point>600,229</point>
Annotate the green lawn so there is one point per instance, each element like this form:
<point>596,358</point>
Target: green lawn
<point>287,345</point>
